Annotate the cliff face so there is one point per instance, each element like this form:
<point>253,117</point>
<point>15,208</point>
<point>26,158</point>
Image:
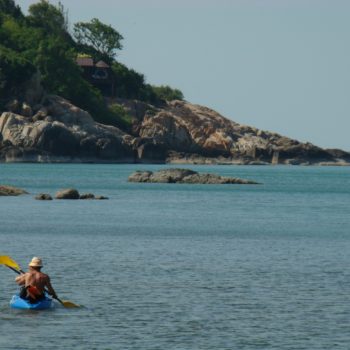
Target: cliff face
<point>195,133</point>
<point>55,130</point>
<point>59,131</point>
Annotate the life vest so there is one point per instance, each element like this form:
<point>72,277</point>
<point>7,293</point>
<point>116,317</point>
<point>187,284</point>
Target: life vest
<point>33,292</point>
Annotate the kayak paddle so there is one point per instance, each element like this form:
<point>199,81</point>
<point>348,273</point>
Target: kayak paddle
<point>10,263</point>
<point>6,260</point>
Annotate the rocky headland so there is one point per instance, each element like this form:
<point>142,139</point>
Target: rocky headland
<point>185,176</point>
<point>54,130</point>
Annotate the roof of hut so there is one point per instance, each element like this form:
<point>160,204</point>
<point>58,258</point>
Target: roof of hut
<point>85,61</point>
<point>102,64</point>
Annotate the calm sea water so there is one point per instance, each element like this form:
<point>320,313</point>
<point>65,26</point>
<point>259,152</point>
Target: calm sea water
<point>163,266</point>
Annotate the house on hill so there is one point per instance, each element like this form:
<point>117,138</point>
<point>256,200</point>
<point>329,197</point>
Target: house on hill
<point>97,74</point>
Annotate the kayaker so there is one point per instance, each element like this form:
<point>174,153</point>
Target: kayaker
<point>34,282</point>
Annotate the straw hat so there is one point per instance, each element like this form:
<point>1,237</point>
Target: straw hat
<point>36,262</point>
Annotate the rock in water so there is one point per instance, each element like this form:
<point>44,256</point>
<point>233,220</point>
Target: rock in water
<point>70,193</point>
<point>101,198</point>
<point>43,197</point>
<point>184,176</point>
<point>87,196</point>
<point>11,191</point>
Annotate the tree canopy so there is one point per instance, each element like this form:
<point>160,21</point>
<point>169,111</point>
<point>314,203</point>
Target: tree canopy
<point>48,17</point>
<point>98,36</point>
<point>8,7</point>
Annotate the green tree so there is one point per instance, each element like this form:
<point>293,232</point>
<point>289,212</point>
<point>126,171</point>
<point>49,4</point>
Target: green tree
<point>8,7</point>
<point>167,93</point>
<point>15,70</point>
<point>52,19</point>
<point>98,36</point>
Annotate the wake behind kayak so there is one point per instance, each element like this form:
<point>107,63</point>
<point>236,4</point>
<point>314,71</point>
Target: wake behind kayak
<point>18,303</point>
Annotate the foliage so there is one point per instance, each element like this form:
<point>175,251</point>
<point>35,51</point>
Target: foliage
<point>129,83</point>
<point>8,7</point>
<point>14,70</point>
<point>120,117</point>
<point>48,17</point>
<point>40,42</point>
<point>100,37</point>
<point>167,93</point>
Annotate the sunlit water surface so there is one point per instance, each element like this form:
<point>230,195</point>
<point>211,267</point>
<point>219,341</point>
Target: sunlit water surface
<point>163,266</point>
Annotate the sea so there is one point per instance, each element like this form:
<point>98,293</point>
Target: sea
<point>179,266</point>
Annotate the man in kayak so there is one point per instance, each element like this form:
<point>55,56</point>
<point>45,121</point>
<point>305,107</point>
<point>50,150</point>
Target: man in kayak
<point>34,282</point>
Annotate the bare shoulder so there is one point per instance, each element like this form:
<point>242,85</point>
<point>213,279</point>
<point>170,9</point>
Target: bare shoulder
<point>45,276</point>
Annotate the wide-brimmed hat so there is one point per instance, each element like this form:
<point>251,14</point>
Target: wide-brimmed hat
<point>36,262</point>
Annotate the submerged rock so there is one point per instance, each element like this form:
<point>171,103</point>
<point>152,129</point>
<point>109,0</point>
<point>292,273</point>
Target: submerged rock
<point>43,197</point>
<point>184,176</point>
<point>101,198</point>
<point>87,196</point>
<point>11,191</point>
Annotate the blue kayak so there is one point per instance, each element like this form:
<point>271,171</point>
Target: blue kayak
<point>19,303</point>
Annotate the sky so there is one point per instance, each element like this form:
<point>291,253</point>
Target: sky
<point>278,65</point>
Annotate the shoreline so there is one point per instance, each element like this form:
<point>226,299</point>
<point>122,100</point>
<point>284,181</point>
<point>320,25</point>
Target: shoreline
<point>199,161</point>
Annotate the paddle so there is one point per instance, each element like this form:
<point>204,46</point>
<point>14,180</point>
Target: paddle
<point>11,264</point>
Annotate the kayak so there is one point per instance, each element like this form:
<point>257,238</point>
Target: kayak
<point>19,303</point>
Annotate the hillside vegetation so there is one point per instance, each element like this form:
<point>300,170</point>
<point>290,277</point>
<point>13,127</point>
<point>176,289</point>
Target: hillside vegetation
<point>39,46</point>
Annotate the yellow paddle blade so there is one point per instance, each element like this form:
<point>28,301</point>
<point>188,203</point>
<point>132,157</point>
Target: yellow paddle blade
<point>6,260</point>
<point>69,304</point>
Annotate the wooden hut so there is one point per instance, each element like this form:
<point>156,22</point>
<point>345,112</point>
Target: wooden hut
<point>98,74</point>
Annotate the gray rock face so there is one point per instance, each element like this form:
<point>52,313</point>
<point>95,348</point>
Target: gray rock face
<point>184,176</point>
<point>60,131</point>
<point>54,130</point>
<point>11,191</point>
<point>195,130</point>
<point>70,193</point>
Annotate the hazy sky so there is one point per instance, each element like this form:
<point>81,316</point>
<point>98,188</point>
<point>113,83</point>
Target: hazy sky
<point>277,65</point>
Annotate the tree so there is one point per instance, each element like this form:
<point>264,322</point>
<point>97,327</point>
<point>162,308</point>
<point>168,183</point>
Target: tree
<point>15,70</point>
<point>100,37</point>
<point>48,17</point>
<point>167,93</point>
<point>9,7</point>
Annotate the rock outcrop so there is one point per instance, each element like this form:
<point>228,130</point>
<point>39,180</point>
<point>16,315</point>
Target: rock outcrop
<point>198,134</point>
<point>11,191</point>
<point>69,193</point>
<point>177,132</point>
<point>184,176</point>
<point>60,131</point>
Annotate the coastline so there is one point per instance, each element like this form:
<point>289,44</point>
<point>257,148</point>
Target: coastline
<point>178,161</point>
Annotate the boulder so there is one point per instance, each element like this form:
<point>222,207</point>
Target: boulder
<point>70,193</point>
<point>43,197</point>
<point>184,176</point>
<point>11,191</point>
<point>140,176</point>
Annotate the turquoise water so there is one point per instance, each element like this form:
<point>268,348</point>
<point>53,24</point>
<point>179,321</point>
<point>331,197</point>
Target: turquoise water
<point>165,266</point>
